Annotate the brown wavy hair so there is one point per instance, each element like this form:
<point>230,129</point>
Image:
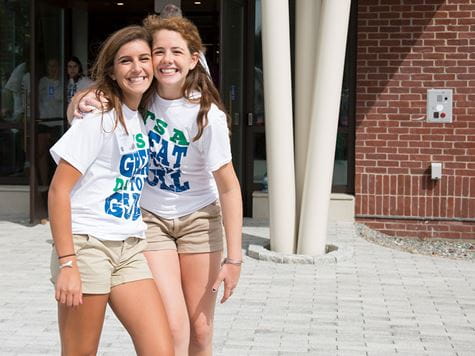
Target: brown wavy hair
<point>103,69</point>
<point>198,79</point>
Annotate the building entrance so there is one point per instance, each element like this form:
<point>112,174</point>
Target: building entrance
<point>42,36</point>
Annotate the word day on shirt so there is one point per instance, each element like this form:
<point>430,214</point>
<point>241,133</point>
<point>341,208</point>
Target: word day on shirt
<point>133,168</point>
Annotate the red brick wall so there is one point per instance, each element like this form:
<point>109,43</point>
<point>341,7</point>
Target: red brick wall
<point>404,48</point>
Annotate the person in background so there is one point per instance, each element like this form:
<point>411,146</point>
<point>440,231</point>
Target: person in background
<point>13,111</point>
<point>77,80</point>
<point>50,126</point>
<point>13,93</point>
<point>96,222</point>
<point>50,93</point>
<point>13,103</point>
<point>170,10</point>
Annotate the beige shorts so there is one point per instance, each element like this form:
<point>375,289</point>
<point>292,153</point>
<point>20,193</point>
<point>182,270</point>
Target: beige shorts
<point>106,264</point>
<point>198,232</point>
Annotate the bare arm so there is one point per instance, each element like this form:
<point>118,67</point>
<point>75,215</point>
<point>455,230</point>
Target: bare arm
<point>231,205</point>
<point>68,286</point>
<point>83,102</point>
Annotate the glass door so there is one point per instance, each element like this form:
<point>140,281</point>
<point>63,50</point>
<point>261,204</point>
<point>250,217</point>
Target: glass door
<point>255,139</point>
<point>232,75</point>
<point>344,166</point>
<point>242,91</point>
<point>47,101</point>
<point>15,36</point>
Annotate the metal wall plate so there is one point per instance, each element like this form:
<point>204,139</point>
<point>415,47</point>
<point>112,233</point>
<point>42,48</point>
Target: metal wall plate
<point>439,105</point>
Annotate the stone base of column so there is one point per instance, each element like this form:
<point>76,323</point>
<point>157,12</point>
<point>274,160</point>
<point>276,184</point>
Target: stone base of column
<point>334,254</point>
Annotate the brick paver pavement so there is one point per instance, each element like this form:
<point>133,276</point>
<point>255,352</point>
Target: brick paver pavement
<point>378,302</point>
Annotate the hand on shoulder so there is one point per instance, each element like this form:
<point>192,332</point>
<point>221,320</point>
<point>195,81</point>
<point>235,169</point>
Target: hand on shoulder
<point>84,102</point>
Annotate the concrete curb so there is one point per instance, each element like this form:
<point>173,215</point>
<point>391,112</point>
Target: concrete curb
<point>334,254</point>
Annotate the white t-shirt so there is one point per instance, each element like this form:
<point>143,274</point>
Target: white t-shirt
<point>114,165</point>
<point>50,97</point>
<point>14,84</point>
<point>180,179</point>
<point>73,87</point>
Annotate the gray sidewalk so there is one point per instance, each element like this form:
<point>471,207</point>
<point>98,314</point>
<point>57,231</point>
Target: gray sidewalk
<point>378,302</point>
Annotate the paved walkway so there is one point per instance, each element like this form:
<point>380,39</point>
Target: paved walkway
<point>379,302</point>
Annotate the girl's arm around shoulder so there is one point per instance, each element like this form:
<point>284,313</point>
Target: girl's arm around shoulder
<point>68,285</point>
<point>82,102</point>
<point>96,120</point>
<point>231,205</point>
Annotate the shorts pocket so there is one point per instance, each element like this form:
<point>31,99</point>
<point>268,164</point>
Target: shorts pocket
<point>80,242</point>
<point>146,215</point>
<point>213,209</point>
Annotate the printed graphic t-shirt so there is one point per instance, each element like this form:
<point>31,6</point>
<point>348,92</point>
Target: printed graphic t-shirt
<point>73,87</point>
<point>180,179</point>
<point>114,165</point>
<point>50,98</point>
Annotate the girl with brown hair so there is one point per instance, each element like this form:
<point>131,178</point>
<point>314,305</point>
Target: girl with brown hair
<point>97,228</point>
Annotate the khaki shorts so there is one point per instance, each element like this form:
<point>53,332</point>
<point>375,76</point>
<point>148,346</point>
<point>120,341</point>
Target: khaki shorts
<point>198,232</point>
<point>106,264</point>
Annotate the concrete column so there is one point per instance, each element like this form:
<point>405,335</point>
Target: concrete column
<point>279,130</point>
<point>306,27</point>
<point>323,128</point>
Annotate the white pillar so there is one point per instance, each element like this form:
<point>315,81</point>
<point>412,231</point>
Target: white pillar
<point>279,130</point>
<point>323,128</point>
<point>307,18</point>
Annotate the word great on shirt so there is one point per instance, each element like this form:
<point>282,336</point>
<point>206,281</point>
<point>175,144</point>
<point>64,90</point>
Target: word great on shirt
<point>166,154</point>
<point>133,167</point>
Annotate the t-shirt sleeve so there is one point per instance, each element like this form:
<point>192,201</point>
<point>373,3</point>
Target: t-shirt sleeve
<point>84,83</point>
<point>215,141</point>
<point>14,82</point>
<point>83,141</point>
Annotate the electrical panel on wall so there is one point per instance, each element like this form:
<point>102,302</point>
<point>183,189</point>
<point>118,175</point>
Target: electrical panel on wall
<point>439,105</point>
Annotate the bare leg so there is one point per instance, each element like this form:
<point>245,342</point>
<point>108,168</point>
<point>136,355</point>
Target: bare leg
<point>165,268</point>
<point>139,307</point>
<point>80,327</point>
<point>198,273</point>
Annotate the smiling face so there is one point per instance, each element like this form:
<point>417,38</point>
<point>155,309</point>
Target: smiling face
<point>133,71</point>
<point>172,62</point>
<point>73,69</point>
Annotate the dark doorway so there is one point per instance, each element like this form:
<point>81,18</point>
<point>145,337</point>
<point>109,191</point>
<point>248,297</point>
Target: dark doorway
<point>105,17</point>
